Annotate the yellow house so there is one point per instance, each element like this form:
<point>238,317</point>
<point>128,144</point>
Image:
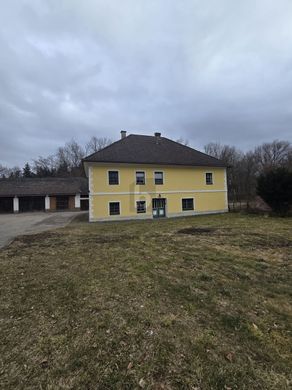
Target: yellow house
<point>143,176</point>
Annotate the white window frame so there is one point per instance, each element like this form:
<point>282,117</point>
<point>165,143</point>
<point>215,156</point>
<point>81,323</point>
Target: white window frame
<point>113,170</point>
<point>212,173</point>
<point>163,177</point>
<point>141,212</point>
<point>140,170</point>
<point>182,204</point>
<point>109,208</point>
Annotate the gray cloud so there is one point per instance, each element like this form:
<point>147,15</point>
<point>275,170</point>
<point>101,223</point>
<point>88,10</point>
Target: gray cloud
<point>203,70</point>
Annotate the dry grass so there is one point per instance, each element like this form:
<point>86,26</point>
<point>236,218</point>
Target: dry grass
<point>138,305</point>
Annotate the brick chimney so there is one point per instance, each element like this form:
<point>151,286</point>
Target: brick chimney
<point>123,134</point>
<point>157,135</point>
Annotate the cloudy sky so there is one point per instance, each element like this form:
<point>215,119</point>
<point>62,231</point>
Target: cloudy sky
<point>204,70</point>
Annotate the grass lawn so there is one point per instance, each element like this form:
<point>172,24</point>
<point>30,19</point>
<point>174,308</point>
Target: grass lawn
<point>149,304</point>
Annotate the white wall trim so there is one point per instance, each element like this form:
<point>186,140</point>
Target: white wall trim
<point>116,218</point>
<point>15,204</point>
<point>47,203</point>
<point>189,213</point>
<point>155,192</point>
<point>77,201</point>
<point>90,181</point>
<point>226,188</point>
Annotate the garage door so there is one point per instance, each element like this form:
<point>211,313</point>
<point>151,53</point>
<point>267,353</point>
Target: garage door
<point>62,202</point>
<point>6,205</point>
<point>84,204</point>
<point>31,203</point>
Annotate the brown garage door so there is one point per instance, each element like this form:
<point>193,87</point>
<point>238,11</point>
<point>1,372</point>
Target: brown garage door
<point>31,203</point>
<point>6,205</point>
<point>62,202</point>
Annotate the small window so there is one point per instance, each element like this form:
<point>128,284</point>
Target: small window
<point>188,204</point>
<point>113,177</point>
<point>140,177</point>
<point>209,178</point>
<point>141,206</point>
<point>158,177</point>
<point>114,208</point>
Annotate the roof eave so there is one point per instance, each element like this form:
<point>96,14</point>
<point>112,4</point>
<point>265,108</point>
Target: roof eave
<point>156,163</point>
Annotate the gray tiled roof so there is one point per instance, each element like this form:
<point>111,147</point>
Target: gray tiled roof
<point>144,149</point>
<point>43,186</point>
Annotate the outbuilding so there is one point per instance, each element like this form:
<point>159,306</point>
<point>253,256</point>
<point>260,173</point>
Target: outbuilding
<point>43,194</point>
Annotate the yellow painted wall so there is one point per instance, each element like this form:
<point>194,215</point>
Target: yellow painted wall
<point>179,182</point>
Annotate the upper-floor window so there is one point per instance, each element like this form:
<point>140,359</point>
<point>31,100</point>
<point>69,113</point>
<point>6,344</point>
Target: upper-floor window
<point>141,206</point>
<point>188,204</point>
<point>140,177</point>
<point>113,177</point>
<point>158,177</point>
<point>114,208</point>
<point>209,178</point>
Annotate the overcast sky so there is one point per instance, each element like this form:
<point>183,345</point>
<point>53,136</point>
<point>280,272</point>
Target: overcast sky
<point>204,70</point>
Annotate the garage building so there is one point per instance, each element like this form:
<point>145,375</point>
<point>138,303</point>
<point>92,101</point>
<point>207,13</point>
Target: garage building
<point>43,194</point>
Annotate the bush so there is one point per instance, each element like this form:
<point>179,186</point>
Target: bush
<point>275,187</point>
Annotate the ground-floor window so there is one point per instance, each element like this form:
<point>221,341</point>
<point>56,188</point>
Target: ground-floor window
<point>141,206</point>
<point>188,204</point>
<point>114,208</point>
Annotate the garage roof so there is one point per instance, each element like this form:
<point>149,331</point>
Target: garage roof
<point>43,186</point>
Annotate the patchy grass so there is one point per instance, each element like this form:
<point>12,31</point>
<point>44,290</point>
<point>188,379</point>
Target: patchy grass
<point>138,305</point>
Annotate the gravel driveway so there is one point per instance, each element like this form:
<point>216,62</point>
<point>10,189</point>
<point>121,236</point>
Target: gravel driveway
<point>13,225</point>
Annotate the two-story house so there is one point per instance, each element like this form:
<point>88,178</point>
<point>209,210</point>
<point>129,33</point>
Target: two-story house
<point>143,176</point>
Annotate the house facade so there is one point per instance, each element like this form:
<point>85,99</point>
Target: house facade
<point>153,177</point>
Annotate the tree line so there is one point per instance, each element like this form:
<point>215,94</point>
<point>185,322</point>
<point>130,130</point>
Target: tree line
<point>244,168</point>
<point>66,161</point>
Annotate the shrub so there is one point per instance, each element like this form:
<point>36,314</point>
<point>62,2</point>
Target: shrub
<point>275,187</point>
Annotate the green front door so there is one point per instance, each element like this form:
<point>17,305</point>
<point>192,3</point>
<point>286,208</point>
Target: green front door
<point>158,207</point>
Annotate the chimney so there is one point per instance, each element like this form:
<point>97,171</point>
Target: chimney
<point>157,135</point>
<point>123,134</point>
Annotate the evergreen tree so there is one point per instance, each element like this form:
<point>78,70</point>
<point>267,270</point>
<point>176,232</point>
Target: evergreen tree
<point>26,171</point>
<point>275,187</point>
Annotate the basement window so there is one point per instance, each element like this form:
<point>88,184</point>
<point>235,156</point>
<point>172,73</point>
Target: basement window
<point>209,178</point>
<point>113,177</point>
<point>188,204</point>
<point>114,208</point>
<point>141,206</point>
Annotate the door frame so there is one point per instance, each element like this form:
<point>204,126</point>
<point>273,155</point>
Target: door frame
<point>158,215</point>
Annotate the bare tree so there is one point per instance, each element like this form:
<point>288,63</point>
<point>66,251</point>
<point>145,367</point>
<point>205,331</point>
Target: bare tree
<point>4,172</point>
<point>232,157</point>
<point>273,155</point>
<point>249,168</point>
<point>9,173</point>
<point>95,144</point>
<point>183,141</point>
<point>44,166</point>
<point>69,159</point>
